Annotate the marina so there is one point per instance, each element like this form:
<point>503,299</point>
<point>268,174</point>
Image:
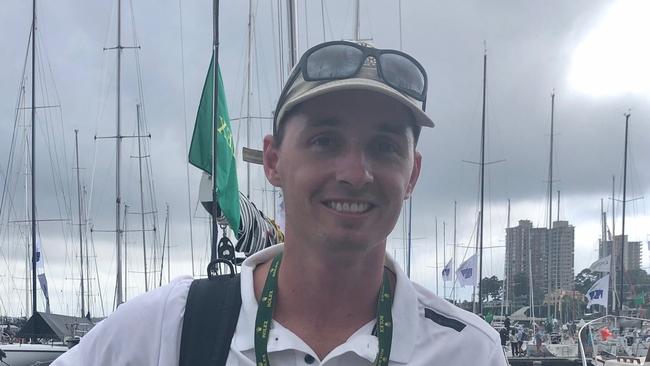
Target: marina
<point>530,211</point>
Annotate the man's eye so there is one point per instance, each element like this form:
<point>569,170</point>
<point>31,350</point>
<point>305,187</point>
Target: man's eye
<point>322,141</point>
<point>386,147</point>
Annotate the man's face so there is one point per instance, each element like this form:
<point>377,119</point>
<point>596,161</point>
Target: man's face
<point>346,164</point>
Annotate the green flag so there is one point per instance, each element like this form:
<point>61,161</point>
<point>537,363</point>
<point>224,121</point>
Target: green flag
<point>489,317</point>
<point>201,149</point>
<point>639,299</point>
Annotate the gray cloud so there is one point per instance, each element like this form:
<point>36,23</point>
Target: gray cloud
<point>530,47</point>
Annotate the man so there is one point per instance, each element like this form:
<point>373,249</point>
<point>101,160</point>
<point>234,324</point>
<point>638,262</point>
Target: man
<point>343,151</point>
<point>514,344</point>
<point>503,333</point>
<point>538,338</point>
<point>521,335</point>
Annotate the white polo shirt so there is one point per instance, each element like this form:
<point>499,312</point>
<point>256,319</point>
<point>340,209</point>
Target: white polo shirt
<point>427,330</point>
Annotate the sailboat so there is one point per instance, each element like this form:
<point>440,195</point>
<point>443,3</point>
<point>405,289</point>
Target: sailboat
<point>256,229</point>
<point>623,339</point>
<point>42,325</point>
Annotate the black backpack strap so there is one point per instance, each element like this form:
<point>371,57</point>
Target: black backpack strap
<point>209,322</point>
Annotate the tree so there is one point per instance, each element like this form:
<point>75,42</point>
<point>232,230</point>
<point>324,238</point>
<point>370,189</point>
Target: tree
<point>491,288</point>
<point>521,290</point>
<point>520,281</point>
<point>585,279</point>
<point>637,283</point>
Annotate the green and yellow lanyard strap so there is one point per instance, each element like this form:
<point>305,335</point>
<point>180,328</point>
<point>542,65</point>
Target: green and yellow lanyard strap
<point>383,328</point>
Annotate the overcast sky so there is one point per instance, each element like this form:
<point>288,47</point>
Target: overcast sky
<point>592,54</point>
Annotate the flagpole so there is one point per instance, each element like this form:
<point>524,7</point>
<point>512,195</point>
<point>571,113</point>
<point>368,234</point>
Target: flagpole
<point>437,261</point>
<point>444,255</point>
<point>623,241</point>
<point>33,219</point>
<point>215,104</point>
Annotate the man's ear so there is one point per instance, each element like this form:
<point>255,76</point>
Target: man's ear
<point>415,173</point>
<point>271,159</point>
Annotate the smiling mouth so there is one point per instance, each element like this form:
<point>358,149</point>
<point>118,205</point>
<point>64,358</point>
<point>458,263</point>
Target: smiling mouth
<point>349,207</point>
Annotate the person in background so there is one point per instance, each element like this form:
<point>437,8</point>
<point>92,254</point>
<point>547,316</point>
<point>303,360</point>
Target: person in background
<point>538,338</point>
<point>503,333</point>
<point>514,348</point>
<point>521,335</point>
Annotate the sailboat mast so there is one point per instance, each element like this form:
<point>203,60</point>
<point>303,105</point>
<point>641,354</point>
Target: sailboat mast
<point>118,148</point>
<point>215,104</point>
<point>88,288</point>
<point>621,296</point>
<point>613,251</point>
<point>357,21</point>
<point>480,265</point>
<point>126,250</point>
<point>530,277</point>
<point>444,255</point>
<point>144,241</point>
<point>169,264</point>
<point>550,209</point>
<point>81,248</point>
<point>437,267</point>
<point>410,245</point>
<point>248,95</point>
<point>399,17</point>
<point>505,271</point>
<point>558,206</point>
<point>165,246</point>
<point>603,236</point>
<point>187,166</point>
<point>558,299</point>
<point>291,18</point>
<point>33,172</point>
<point>453,258</point>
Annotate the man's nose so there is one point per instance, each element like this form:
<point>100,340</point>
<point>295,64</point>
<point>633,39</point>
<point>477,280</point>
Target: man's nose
<point>354,168</point>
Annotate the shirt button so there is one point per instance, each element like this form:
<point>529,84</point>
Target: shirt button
<point>309,359</point>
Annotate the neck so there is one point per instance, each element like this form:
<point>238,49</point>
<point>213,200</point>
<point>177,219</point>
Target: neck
<point>324,298</point>
<point>330,283</point>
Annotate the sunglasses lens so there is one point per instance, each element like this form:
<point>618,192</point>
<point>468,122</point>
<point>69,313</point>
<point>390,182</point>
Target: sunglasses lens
<point>336,61</point>
<point>402,74</point>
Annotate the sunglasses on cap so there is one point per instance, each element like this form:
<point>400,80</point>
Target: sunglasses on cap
<point>338,60</point>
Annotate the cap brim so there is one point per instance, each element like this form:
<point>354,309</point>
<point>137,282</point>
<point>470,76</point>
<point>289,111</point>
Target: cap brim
<point>421,118</point>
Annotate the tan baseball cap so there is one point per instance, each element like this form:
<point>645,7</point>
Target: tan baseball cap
<point>366,79</point>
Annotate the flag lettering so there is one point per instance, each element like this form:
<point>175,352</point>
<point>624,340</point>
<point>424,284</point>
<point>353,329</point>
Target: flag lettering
<point>596,294</point>
<point>226,132</point>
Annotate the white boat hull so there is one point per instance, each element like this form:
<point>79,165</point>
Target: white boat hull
<point>31,354</point>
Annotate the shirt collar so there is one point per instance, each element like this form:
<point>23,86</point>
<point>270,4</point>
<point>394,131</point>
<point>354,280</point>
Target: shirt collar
<point>405,308</point>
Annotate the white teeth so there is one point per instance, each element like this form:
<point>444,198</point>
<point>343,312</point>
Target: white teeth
<point>355,207</point>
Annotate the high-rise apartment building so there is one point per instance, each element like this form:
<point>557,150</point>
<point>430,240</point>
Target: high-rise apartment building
<point>524,252</point>
<point>561,256</point>
<point>546,254</point>
<point>632,252</point>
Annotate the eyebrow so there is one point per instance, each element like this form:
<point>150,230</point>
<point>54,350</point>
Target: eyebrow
<point>394,128</point>
<point>386,127</point>
<point>325,122</point>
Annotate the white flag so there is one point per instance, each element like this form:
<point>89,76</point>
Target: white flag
<point>446,272</point>
<point>602,265</point>
<point>466,272</point>
<point>598,293</point>
<point>279,209</point>
<point>40,269</point>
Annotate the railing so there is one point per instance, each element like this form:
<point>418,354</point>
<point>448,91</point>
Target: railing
<point>604,319</point>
